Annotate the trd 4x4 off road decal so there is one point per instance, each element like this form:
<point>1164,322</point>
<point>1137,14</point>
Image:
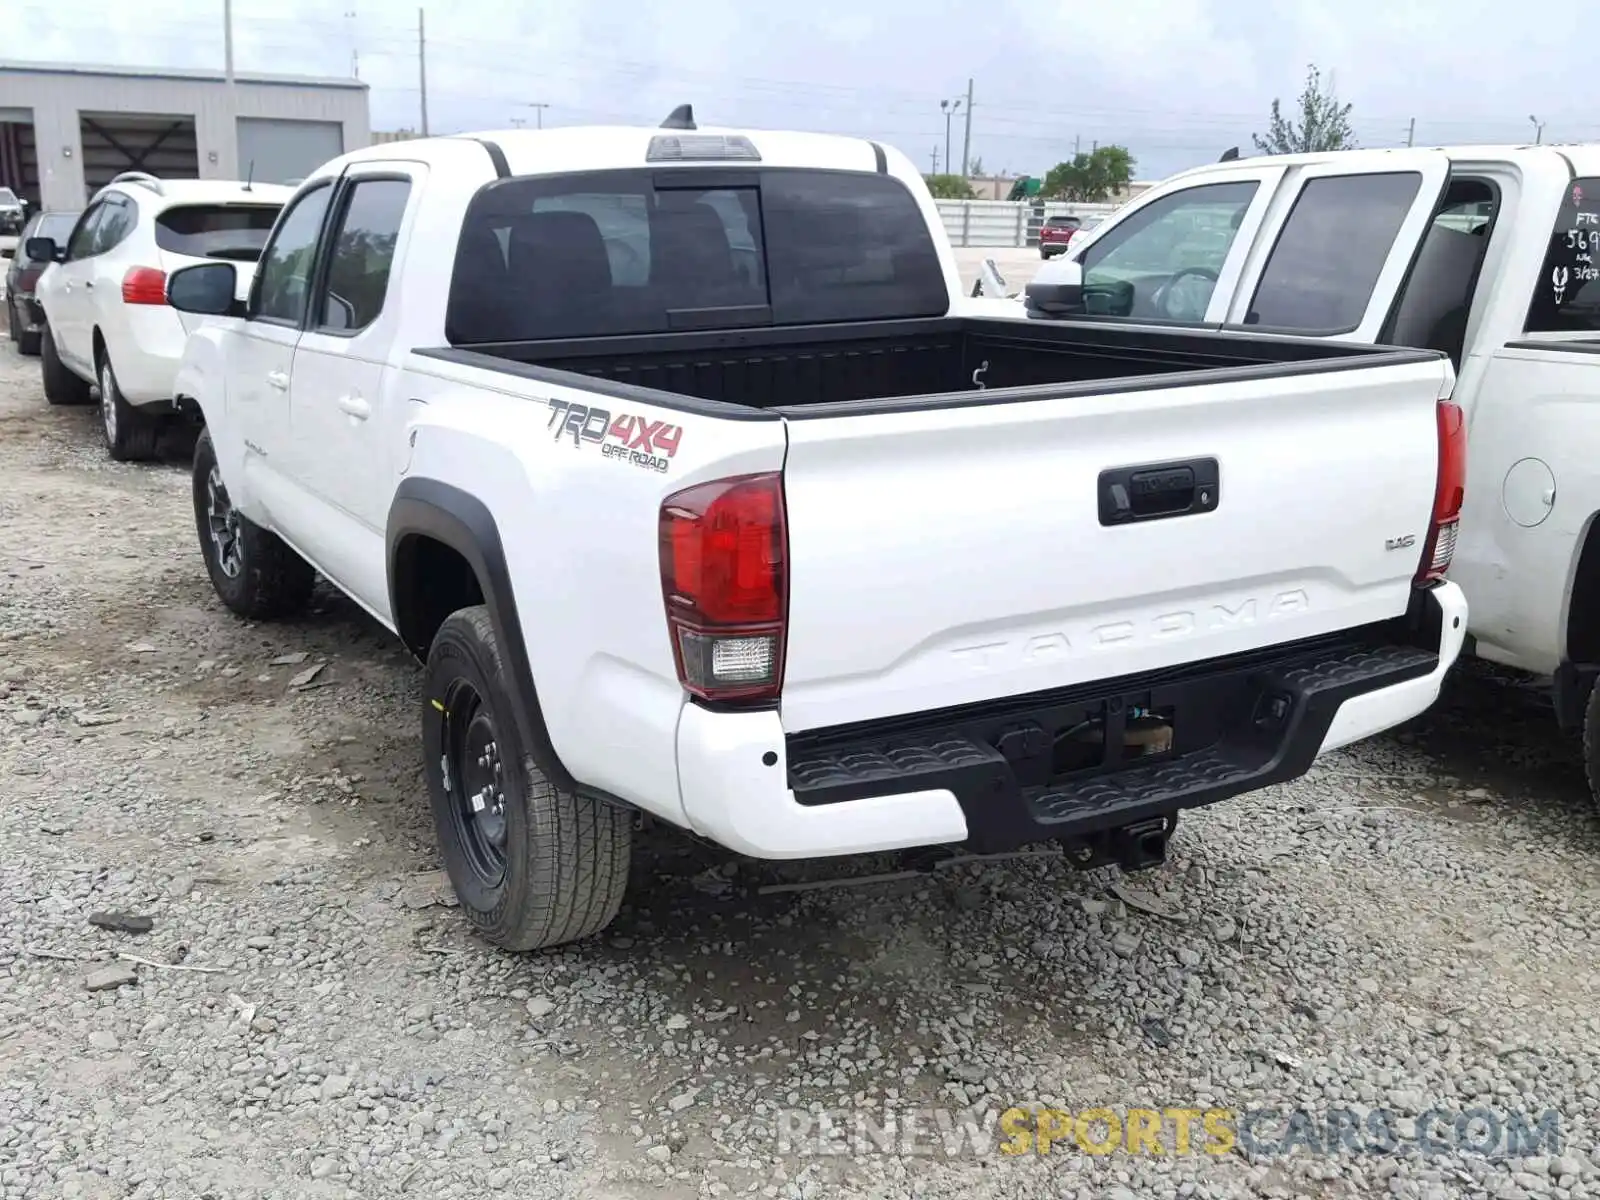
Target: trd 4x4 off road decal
<point>624,437</point>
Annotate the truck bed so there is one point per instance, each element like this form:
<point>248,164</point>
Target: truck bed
<point>882,366</point>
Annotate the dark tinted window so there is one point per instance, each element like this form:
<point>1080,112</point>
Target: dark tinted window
<point>363,252</point>
<point>1566,294</point>
<point>1436,298</point>
<point>1063,222</point>
<point>81,243</point>
<point>1330,251</point>
<point>610,253</point>
<point>120,217</point>
<point>284,278</point>
<point>236,232</point>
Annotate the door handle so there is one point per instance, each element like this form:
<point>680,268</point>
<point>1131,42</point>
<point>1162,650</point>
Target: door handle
<point>89,283</point>
<point>355,406</point>
<point>278,380</point>
<point>1157,490</point>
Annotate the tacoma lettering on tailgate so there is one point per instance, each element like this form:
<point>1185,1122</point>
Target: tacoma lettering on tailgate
<point>623,437</point>
<point>1044,646</point>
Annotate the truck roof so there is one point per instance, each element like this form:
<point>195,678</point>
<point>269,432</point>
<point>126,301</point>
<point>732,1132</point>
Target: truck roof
<point>600,147</point>
<point>1582,156</point>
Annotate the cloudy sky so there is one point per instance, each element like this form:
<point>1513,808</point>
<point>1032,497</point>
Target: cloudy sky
<point>1177,81</point>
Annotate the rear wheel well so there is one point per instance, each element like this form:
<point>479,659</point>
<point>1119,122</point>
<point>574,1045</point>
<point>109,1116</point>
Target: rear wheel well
<point>1583,610</point>
<point>431,581</point>
<point>99,347</point>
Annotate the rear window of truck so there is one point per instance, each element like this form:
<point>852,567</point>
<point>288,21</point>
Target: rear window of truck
<point>1566,293</point>
<point>637,252</point>
<point>236,232</point>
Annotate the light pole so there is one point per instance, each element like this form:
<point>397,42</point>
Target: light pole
<point>1538,131</point>
<point>949,108</point>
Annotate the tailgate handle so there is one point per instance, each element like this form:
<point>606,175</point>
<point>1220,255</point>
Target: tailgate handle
<point>1157,490</point>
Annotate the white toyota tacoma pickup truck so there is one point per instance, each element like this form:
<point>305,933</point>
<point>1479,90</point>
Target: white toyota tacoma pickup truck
<point>1490,254</point>
<point>678,458</point>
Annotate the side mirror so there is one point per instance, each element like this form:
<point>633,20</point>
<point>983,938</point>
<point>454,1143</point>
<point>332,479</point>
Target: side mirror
<point>43,249</point>
<point>1056,290</point>
<point>206,289</point>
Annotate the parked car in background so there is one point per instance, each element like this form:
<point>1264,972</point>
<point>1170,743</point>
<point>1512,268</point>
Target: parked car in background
<point>107,321</point>
<point>1488,254</point>
<point>679,460</point>
<point>24,317</point>
<point>13,211</point>
<point>1055,233</point>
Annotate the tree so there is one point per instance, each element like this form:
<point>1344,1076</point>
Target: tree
<point>1091,178</point>
<point>950,187</point>
<point>975,167</point>
<point>1324,122</point>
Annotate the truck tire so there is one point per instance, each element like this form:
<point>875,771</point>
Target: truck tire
<point>131,435</point>
<point>533,865</point>
<point>1591,743</point>
<point>61,386</point>
<point>252,570</point>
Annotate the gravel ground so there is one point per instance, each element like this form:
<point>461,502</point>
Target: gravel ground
<point>1413,924</point>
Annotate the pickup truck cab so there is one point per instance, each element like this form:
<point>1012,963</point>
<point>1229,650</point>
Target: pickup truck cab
<point>680,460</point>
<point>1488,254</point>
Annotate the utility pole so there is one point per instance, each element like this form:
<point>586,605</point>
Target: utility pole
<point>1077,145</point>
<point>538,109</point>
<point>1411,133</point>
<point>935,170</point>
<point>355,53</point>
<point>231,168</point>
<point>966,141</point>
<point>949,108</point>
<point>422,69</point>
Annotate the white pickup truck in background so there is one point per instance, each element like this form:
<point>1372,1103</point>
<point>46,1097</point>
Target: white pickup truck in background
<point>680,459</point>
<point>1488,254</point>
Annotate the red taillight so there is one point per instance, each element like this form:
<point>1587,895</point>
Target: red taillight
<point>144,285</point>
<point>724,574</point>
<point>1448,494</point>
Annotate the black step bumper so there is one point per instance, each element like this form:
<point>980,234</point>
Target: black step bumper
<point>1082,764</point>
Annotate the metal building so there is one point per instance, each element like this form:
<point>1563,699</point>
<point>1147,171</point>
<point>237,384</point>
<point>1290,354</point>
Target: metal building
<point>66,130</point>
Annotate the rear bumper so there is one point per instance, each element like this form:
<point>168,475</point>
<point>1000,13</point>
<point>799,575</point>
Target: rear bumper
<point>993,776</point>
<point>26,307</point>
<point>146,353</point>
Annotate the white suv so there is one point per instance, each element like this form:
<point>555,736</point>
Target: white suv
<point>107,321</point>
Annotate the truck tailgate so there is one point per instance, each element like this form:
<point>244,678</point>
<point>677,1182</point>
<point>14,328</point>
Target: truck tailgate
<point>946,554</point>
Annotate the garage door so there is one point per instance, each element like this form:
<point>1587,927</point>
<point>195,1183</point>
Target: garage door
<point>285,150</point>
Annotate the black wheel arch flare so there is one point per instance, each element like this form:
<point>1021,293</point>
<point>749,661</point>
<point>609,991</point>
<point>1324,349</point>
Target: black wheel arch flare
<point>460,521</point>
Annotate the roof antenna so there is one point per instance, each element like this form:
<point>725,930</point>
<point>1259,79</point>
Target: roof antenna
<point>681,117</point>
<point>250,175</point>
<point>1230,154</point>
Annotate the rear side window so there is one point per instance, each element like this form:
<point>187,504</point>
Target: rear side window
<point>235,232</point>
<point>1566,294</point>
<point>121,215</point>
<point>630,252</point>
<point>363,252</point>
<point>1331,250</point>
